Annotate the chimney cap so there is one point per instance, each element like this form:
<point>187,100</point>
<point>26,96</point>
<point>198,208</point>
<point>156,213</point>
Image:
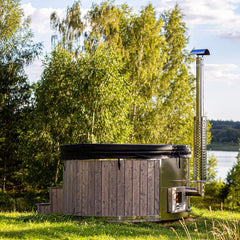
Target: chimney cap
<point>200,52</point>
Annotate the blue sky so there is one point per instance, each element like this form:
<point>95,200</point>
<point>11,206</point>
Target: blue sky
<point>212,24</point>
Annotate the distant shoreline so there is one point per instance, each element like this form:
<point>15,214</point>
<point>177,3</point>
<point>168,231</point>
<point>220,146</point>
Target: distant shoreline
<point>223,147</point>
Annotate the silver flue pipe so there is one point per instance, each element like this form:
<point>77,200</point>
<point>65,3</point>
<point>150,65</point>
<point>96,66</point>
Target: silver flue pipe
<point>200,128</point>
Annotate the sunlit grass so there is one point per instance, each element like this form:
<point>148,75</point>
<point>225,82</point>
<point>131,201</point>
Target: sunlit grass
<point>33,226</point>
<point>219,230</point>
<point>16,225</point>
<point>208,224</point>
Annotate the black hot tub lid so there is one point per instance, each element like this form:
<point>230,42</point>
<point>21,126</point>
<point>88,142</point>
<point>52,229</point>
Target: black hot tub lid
<point>112,151</point>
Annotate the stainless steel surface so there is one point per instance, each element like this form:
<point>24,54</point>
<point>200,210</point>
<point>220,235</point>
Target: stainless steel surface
<point>200,148</point>
<point>197,191</point>
<point>200,187</point>
<point>177,201</point>
<point>200,128</point>
<point>199,86</point>
<point>200,124</point>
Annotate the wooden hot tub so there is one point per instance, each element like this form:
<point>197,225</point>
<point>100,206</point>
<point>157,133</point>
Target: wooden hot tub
<point>126,181</point>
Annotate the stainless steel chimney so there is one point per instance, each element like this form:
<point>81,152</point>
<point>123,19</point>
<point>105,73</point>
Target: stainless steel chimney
<point>200,125</point>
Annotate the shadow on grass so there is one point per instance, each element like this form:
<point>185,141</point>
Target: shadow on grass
<point>34,226</point>
<point>89,231</point>
<point>53,226</point>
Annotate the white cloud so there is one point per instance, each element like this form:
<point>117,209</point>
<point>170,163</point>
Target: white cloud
<point>221,15</point>
<point>41,17</point>
<point>224,73</point>
<point>34,70</point>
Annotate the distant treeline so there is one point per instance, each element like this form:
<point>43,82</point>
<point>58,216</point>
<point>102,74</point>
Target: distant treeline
<point>225,132</point>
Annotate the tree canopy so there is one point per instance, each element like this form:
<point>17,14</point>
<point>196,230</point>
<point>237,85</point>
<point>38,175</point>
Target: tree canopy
<point>116,76</point>
<point>153,50</point>
<point>129,82</point>
<point>16,51</point>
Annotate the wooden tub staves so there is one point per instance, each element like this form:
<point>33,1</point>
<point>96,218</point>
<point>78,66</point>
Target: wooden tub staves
<point>123,181</point>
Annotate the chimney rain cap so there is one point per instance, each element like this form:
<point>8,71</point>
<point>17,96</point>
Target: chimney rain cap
<point>200,52</point>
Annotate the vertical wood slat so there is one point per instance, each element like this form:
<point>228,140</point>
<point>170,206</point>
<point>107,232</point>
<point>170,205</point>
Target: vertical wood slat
<point>71,187</point>
<point>52,199</point>
<point>59,200</point>
<point>136,187</point>
<point>44,208</point>
<point>85,189</point>
<point>56,199</point>
<point>69,190</point>
<point>143,188</point>
<point>156,187</point>
<point>74,186</point>
<point>105,188</point>
<point>150,192</point>
<point>98,188</point>
<point>120,189</point>
<point>68,185</point>
<point>128,188</point>
<point>65,190</point>
<point>112,188</point>
<point>79,177</point>
<point>91,192</point>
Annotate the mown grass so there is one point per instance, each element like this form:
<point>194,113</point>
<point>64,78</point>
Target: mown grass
<point>16,225</point>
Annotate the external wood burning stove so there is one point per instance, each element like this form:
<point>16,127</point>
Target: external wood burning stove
<point>131,181</point>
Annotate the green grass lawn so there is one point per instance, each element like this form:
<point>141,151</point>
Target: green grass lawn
<point>200,225</point>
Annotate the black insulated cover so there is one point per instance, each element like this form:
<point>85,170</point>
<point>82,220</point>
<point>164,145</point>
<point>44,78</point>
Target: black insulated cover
<point>115,151</point>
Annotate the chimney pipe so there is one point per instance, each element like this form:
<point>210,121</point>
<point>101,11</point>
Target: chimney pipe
<point>200,128</point>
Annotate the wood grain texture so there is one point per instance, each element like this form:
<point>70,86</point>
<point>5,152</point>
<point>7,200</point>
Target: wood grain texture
<point>85,196</point>
<point>128,188</point>
<point>65,187</point>
<point>150,192</point>
<point>112,188</point>
<point>121,189</point>
<point>105,187</point>
<point>143,188</point>
<point>136,187</point>
<point>79,177</point>
<point>91,190</point>
<point>98,188</point>
<point>156,187</point>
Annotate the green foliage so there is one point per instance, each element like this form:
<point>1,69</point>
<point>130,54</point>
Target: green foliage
<point>215,189</point>
<point>220,124</point>
<point>22,201</point>
<point>6,202</point>
<point>16,51</point>
<point>211,168</point>
<point>225,133</point>
<point>155,58</point>
<point>130,84</point>
<point>233,186</point>
<point>77,101</point>
<point>10,21</point>
<point>70,28</point>
<point>178,88</point>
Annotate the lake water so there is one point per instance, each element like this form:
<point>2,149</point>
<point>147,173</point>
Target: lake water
<point>225,161</point>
